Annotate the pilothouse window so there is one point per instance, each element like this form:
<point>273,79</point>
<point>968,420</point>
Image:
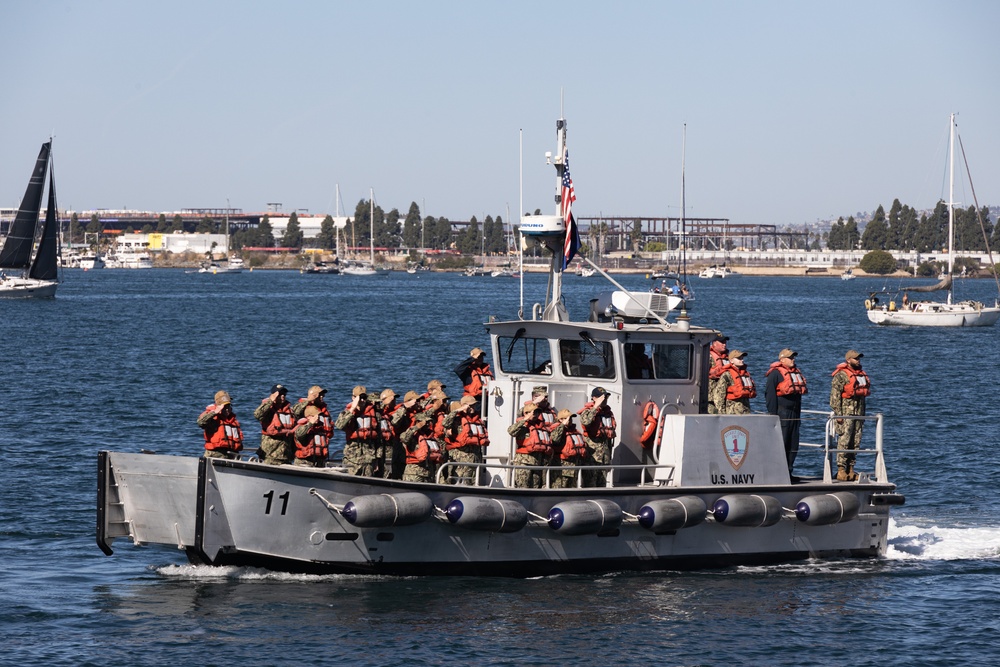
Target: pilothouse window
<point>587,358</point>
<point>656,361</point>
<point>520,354</point>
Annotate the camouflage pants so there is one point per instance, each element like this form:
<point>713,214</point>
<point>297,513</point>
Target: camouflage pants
<point>600,453</point>
<point>221,454</point>
<point>276,452</point>
<point>313,462</point>
<point>567,477</point>
<point>360,458</point>
<point>464,474</point>
<point>848,437</point>
<point>738,407</point>
<point>416,472</point>
<point>393,460</point>
<point>529,479</point>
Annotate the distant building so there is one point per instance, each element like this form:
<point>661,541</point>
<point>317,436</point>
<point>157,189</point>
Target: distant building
<point>309,224</point>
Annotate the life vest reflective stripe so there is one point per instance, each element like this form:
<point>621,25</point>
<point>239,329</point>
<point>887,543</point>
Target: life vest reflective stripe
<point>427,449</point>
<point>385,427</point>
<point>742,386</point>
<point>575,446</point>
<point>650,418</point>
<point>858,382</point>
<point>471,434</point>
<point>538,441</point>
<point>227,435</point>
<point>792,380</point>
<point>316,444</point>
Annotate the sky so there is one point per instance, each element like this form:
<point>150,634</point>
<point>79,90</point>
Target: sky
<point>794,111</point>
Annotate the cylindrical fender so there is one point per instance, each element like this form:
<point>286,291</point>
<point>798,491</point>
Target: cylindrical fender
<point>747,510</point>
<point>585,517</point>
<point>387,509</point>
<point>490,514</point>
<point>822,510</point>
<point>672,513</point>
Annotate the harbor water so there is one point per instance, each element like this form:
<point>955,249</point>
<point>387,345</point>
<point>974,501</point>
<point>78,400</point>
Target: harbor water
<point>126,360</point>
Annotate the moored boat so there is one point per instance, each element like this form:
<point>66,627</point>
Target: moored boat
<point>711,490</point>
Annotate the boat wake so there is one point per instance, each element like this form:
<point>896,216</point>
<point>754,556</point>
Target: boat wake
<point>185,572</point>
<point>937,543</point>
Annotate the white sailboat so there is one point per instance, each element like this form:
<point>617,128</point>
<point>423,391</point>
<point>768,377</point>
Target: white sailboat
<point>367,268</point>
<point>32,245</point>
<point>935,313</point>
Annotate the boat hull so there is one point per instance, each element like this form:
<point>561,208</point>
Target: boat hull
<point>27,288</point>
<point>937,315</point>
<point>288,518</point>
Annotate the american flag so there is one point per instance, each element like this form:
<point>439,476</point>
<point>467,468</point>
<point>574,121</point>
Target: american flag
<point>572,242</point>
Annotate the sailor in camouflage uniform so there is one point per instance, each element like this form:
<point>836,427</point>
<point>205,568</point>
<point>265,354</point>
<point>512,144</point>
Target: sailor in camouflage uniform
<point>848,390</point>
<point>534,447</point>
<point>277,428</point>
<point>733,390</point>
<point>600,429</point>
<point>359,422</point>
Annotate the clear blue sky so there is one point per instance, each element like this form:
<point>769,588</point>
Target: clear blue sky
<point>795,111</point>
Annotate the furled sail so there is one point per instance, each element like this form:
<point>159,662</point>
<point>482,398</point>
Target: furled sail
<point>944,284</point>
<point>16,251</point>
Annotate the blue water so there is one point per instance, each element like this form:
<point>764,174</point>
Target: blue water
<point>124,360</point>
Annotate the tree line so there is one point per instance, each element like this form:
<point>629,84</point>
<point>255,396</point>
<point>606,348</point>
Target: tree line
<point>903,229</point>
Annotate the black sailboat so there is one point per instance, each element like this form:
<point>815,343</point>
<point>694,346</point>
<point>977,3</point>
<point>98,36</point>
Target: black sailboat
<point>32,245</point>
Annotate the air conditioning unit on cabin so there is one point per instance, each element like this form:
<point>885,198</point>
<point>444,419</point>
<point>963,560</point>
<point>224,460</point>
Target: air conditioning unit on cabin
<point>629,305</point>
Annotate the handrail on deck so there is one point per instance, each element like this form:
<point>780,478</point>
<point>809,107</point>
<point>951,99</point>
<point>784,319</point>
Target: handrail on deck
<point>478,478</point>
<point>830,450</point>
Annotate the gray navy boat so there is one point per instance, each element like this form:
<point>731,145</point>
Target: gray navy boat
<point>712,490</point>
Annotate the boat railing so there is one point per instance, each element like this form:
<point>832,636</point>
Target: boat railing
<point>830,448</point>
<point>647,473</point>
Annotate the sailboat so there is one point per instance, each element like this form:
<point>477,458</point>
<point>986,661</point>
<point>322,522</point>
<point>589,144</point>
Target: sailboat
<point>936,313</point>
<point>366,268</point>
<point>37,264</point>
<point>232,265</point>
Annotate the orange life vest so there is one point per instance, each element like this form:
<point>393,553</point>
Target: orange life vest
<point>385,423</point>
<point>604,427</point>
<point>282,420</point>
<point>858,382</point>
<point>316,444</point>
<point>546,414</point>
<point>720,362</point>
<point>792,380</point>
<point>471,434</point>
<point>574,446</point>
<point>324,417</point>
<point>427,449</point>
<point>742,386</point>
<point>225,435</point>
<point>364,426</point>
<point>650,418</point>
<point>477,381</point>
<point>538,440</point>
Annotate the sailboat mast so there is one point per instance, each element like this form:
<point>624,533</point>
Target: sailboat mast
<point>684,268</point>
<point>371,232</point>
<point>951,207</point>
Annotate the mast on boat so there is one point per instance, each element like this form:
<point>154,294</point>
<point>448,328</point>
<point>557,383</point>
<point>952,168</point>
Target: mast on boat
<point>951,206</point>
<point>371,230</point>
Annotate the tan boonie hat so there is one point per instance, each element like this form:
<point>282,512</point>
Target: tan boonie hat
<point>529,408</point>
<point>737,354</point>
<point>315,391</point>
<point>435,384</point>
<point>787,353</point>
<point>387,394</point>
<point>476,352</point>
<point>411,396</point>
<point>540,389</point>
<point>853,354</point>
<point>311,410</point>
<point>360,389</point>
<point>438,395</point>
<point>563,414</point>
<point>455,405</point>
<point>222,397</point>
<point>468,400</point>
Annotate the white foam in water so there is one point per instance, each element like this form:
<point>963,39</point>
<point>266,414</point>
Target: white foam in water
<point>937,543</point>
<point>232,573</point>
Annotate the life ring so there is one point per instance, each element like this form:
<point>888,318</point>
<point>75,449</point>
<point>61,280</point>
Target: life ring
<point>868,304</point>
